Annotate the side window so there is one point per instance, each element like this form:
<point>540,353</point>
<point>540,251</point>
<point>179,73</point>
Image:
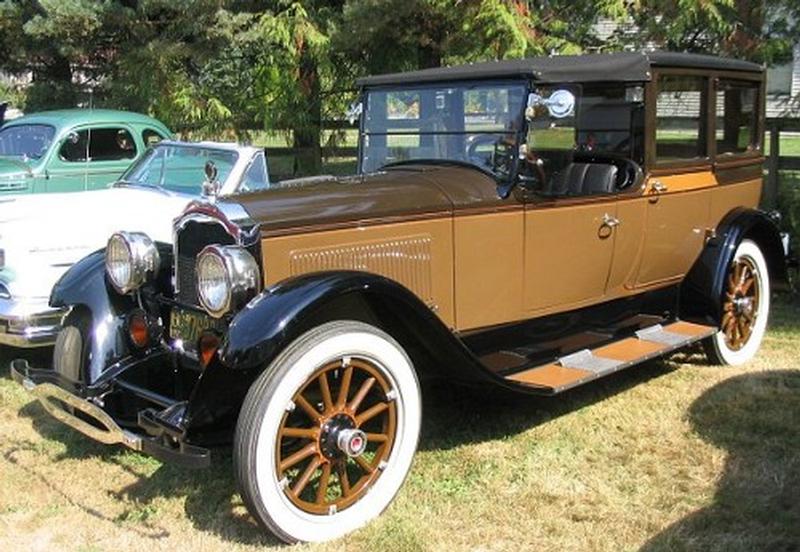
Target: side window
<point>75,148</point>
<point>680,118</point>
<point>737,116</point>
<point>151,137</point>
<point>111,144</point>
<point>255,178</point>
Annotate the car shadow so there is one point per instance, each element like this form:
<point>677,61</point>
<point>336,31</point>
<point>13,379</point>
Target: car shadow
<point>454,416</point>
<point>755,418</point>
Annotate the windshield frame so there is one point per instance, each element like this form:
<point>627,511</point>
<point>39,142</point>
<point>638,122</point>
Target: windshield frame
<point>518,134</point>
<point>26,158</point>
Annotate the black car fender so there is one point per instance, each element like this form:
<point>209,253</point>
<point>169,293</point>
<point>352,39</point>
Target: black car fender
<point>279,315</point>
<point>701,290</point>
<point>285,311</point>
<point>84,287</point>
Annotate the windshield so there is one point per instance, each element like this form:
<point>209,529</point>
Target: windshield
<point>456,122</point>
<point>25,141</point>
<point>179,168</point>
<point>605,129</point>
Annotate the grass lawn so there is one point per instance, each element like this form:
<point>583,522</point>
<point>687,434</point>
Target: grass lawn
<point>671,455</point>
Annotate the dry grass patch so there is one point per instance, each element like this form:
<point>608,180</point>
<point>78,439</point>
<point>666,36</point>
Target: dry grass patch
<point>672,455</point>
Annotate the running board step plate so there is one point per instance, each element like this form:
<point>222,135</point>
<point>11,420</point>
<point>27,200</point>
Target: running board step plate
<point>587,365</point>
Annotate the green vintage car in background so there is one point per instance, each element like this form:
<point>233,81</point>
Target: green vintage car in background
<point>73,149</point>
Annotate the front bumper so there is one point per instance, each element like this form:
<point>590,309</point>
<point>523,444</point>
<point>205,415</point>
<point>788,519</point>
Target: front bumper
<point>28,323</point>
<point>88,418</point>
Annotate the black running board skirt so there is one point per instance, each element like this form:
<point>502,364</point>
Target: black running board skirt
<point>590,364</point>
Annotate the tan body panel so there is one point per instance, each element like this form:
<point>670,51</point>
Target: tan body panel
<point>417,255</point>
<point>676,224</point>
<point>567,262</point>
<point>489,257</point>
<point>478,261</point>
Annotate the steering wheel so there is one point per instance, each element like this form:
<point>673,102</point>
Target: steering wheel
<point>474,143</point>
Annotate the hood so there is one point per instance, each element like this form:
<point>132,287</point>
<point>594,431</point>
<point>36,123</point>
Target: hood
<point>42,235</point>
<point>395,193</point>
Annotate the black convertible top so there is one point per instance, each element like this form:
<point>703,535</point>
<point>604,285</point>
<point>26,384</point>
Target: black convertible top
<point>621,66</point>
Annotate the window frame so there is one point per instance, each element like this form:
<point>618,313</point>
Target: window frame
<point>711,161</point>
<point>89,129</point>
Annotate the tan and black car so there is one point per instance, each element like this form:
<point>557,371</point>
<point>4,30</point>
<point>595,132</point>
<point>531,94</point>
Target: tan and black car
<point>533,224</point>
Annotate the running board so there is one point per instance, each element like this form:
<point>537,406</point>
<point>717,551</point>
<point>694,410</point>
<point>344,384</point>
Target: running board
<point>587,365</point>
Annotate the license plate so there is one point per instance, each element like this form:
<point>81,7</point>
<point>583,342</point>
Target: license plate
<point>188,326</point>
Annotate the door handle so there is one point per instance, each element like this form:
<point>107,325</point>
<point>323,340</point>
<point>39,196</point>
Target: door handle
<point>607,226</point>
<point>610,221</point>
<point>659,187</point>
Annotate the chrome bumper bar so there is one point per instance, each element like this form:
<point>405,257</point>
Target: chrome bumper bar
<point>95,422</point>
<point>29,323</point>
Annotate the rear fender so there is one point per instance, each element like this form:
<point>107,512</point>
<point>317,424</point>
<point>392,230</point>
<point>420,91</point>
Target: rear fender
<point>701,290</point>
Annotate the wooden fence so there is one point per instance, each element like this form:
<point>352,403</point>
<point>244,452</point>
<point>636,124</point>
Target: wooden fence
<point>777,162</point>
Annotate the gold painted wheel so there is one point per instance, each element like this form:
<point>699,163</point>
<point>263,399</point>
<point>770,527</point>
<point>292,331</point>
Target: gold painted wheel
<point>333,443</point>
<point>741,303</point>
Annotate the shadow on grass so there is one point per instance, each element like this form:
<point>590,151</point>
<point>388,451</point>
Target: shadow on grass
<point>453,416</point>
<point>756,419</point>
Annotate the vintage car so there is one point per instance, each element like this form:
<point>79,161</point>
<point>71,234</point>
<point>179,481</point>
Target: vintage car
<point>73,149</point>
<point>147,198</point>
<point>532,225</point>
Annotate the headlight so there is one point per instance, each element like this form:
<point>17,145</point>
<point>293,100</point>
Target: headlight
<point>226,278</point>
<point>131,260</point>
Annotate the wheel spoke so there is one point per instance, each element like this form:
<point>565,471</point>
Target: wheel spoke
<point>324,479</point>
<point>344,479</point>
<point>362,393</point>
<point>312,412</point>
<point>377,437</point>
<point>371,413</point>
<point>748,284</point>
<point>726,318</point>
<point>298,456</point>
<point>344,390</point>
<point>366,466</point>
<point>299,432</point>
<point>302,482</point>
<point>327,401</point>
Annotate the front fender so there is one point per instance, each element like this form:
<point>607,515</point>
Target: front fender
<point>84,286</point>
<point>701,290</point>
<point>285,311</point>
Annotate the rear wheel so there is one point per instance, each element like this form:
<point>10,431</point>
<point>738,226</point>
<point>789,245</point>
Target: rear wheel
<point>745,308</point>
<point>327,433</point>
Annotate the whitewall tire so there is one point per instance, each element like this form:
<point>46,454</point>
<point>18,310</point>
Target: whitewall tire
<point>328,432</point>
<point>746,300</point>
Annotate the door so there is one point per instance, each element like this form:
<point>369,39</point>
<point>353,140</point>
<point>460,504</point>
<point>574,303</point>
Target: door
<point>677,214</point>
<point>677,196</point>
<point>568,253</point>
<point>67,166</point>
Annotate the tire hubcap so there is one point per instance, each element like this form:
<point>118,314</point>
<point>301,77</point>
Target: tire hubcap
<point>336,436</point>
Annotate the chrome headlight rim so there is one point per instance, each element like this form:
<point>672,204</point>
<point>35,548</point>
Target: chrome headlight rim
<point>142,257</point>
<point>241,276</point>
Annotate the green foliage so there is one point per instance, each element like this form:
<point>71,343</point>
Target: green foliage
<point>225,68</point>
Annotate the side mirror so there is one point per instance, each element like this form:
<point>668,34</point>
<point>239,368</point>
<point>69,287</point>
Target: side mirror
<point>559,104</point>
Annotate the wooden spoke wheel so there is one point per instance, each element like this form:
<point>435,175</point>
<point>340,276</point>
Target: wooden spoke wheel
<point>336,436</point>
<point>745,308</point>
<point>327,433</point>
<point>741,305</point>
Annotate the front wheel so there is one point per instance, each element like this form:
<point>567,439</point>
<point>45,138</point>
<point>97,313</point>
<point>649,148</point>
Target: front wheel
<point>327,433</point>
<point>745,308</point>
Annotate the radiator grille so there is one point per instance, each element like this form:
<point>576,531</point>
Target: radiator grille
<point>406,260</point>
<point>191,240</point>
